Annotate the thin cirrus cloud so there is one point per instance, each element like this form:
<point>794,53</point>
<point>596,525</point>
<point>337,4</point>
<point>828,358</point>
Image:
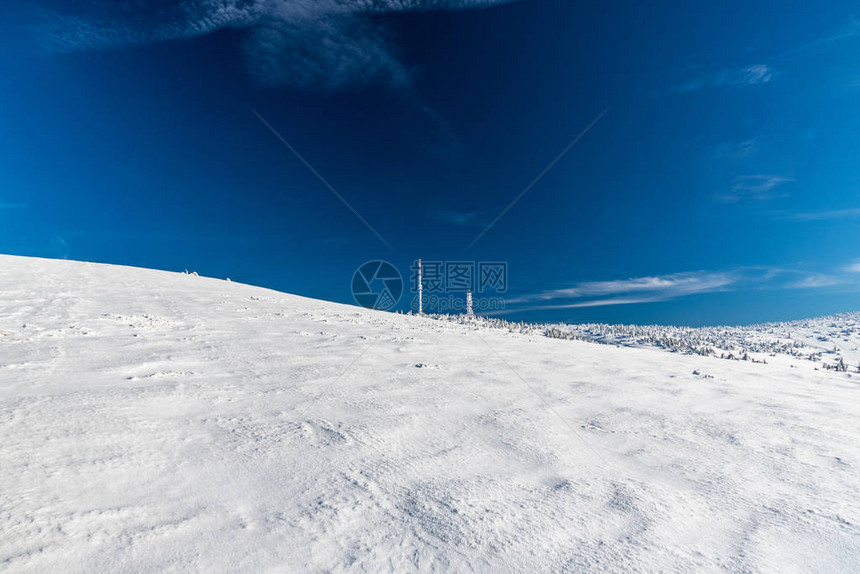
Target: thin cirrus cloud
<point>817,281</point>
<point>749,76</point>
<point>659,288</point>
<point>827,215</point>
<point>755,187</point>
<point>326,44</point>
<point>628,291</point>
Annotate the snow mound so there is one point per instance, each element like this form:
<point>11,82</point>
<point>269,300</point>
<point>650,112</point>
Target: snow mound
<point>154,421</point>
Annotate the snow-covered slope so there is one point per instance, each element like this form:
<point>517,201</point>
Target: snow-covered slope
<point>154,422</point>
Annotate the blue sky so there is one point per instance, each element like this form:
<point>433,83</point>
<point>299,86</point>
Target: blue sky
<point>721,185</point>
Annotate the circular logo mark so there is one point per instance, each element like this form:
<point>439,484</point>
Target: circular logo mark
<point>377,285</point>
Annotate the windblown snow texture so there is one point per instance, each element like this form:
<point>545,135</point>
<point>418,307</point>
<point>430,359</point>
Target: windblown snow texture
<point>153,421</point>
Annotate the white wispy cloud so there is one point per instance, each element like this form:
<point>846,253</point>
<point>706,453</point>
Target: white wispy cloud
<point>757,187</point>
<point>753,75</point>
<point>853,267</point>
<point>605,302</point>
<point>633,290</point>
<point>749,76</point>
<point>828,214</point>
<point>817,281</point>
<point>657,288</point>
<point>318,43</point>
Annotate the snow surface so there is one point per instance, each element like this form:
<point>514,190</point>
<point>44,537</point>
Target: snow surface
<point>154,421</point>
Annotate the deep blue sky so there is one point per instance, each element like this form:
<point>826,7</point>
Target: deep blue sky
<point>721,186</point>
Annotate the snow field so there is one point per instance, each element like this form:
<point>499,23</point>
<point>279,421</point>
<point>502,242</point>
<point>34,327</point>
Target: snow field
<point>154,421</point>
